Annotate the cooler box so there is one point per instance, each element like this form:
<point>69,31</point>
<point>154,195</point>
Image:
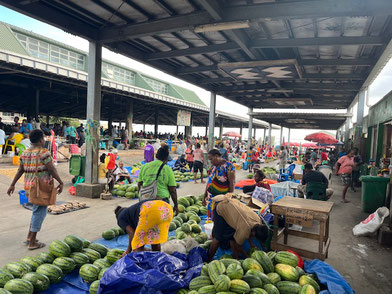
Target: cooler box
<point>373,192</point>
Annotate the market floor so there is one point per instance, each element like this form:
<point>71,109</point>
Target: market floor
<point>366,265</point>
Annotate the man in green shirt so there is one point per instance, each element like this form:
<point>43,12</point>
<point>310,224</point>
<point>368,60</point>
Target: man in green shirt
<point>166,184</point>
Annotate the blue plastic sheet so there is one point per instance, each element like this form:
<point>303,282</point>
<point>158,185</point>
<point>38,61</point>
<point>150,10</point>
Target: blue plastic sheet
<point>152,272</point>
<point>328,276</point>
<point>72,283</point>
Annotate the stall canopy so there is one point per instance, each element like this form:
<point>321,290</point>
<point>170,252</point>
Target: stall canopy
<point>270,54</point>
<point>322,138</point>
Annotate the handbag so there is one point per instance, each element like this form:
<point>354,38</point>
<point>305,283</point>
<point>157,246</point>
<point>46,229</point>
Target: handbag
<point>41,192</point>
<point>150,191</point>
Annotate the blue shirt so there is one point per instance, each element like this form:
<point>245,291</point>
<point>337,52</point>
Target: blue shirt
<point>26,129</point>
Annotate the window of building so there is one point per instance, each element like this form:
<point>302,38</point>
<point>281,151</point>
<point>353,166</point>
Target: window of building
<point>8,114</point>
<point>118,74</point>
<point>158,86</point>
<point>36,48</point>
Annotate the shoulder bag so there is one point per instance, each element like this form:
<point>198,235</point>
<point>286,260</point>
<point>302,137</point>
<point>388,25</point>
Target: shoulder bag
<point>150,191</point>
<point>41,192</point>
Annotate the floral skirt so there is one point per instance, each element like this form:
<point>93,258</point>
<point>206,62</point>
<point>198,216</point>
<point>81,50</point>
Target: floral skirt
<point>154,221</point>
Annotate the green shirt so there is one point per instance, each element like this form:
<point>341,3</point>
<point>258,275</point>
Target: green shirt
<point>166,178</point>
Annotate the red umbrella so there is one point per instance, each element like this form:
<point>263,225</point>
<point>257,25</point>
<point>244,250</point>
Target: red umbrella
<point>309,145</point>
<point>232,134</point>
<point>291,144</point>
<point>321,138</point>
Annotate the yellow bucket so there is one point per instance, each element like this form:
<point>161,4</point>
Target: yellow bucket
<point>15,160</point>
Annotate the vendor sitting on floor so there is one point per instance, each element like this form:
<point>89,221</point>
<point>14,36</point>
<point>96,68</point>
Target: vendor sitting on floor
<point>122,173</point>
<point>235,222</point>
<point>260,181</point>
<point>180,164</point>
<point>146,222</point>
<point>311,175</point>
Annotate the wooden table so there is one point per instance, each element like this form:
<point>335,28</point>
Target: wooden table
<point>302,212</point>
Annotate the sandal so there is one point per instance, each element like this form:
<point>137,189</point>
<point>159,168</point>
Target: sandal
<point>27,242</point>
<point>38,246</point>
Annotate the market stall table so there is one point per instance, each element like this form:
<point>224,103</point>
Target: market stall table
<point>302,212</point>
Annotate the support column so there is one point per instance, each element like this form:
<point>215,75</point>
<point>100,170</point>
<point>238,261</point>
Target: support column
<point>360,110</point>
<point>93,113</point>
<point>264,136</point>
<point>175,137</point>
<point>211,122</point>
<point>269,134</point>
<point>37,92</point>
<point>250,127</point>
<point>206,134</point>
<point>129,121</point>
<point>144,128</point>
<point>254,132</point>
<point>241,130</point>
<point>220,129</point>
<point>346,132</point>
<point>281,135</point>
<point>110,118</point>
<point>288,138</point>
<point>47,120</point>
<point>156,122</point>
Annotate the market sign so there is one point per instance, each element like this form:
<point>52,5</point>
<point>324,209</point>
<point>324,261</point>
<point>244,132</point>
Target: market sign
<point>299,217</point>
<point>183,118</point>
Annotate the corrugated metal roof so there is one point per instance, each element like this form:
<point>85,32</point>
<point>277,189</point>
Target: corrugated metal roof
<point>9,42</point>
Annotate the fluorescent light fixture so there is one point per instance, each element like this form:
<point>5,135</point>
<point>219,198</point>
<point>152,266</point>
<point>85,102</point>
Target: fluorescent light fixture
<point>222,26</point>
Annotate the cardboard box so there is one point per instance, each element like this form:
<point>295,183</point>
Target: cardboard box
<point>298,177</point>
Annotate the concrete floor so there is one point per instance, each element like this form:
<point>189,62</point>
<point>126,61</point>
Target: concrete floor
<point>366,265</point>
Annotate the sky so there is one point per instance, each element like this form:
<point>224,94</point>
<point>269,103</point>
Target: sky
<point>377,90</point>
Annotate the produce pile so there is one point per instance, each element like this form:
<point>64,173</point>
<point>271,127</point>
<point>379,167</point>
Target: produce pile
<point>186,176</point>
<point>112,233</point>
<point>126,190</point>
<point>269,170</point>
<point>36,274</point>
<point>263,273</point>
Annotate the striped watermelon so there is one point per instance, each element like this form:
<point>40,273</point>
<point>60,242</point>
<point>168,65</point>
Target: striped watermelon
<point>286,257</point>
<point>257,291</point>
<point>74,242</point>
<point>102,263</point>
<point>89,272</point>
<point>40,282</point>
<point>305,280</point>
<point>53,272</point>
<point>199,282</point>
<point>102,271</point>
<point>215,269</point>
<point>239,286</point>
<point>253,280</point>
<point>94,287</point>
<point>222,283</point>
<point>59,248</point>
<point>271,289</point>
<point>271,255</point>
<point>250,263</point>
<point>33,262</point>
<point>79,258</point>
<point>287,272</point>
<point>19,286</point>
<point>228,261</point>
<point>17,269</point>
<point>234,271</point>
<point>287,287</point>
<point>263,259</point>
<point>5,277</point>
<point>114,254</point>
<point>109,234</point>
<point>274,277</point>
<point>3,291</point>
<point>91,254</point>
<point>204,271</point>
<point>46,257</point>
<point>308,289</point>
<point>207,290</point>
<point>103,250</point>
<point>66,264</point>
<point>86,242</point>
<point>262,276</point>
<point>300,271</point>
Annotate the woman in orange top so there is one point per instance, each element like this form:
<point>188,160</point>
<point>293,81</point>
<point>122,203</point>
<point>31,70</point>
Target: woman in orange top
<point>189,156</point>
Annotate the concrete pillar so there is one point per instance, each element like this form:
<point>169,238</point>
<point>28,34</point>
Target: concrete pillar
<point>156,122</point>
<point>47,119</point>
<point>269,134</point>
<point>206,134</point>
<point>220,129</point>
<point>93,111</point>
<point>129,121</point>
<point>37,92</point>
<point>110,114</point>
<point>176,133</point>
<point>288,138</point>
<point>241,130</point>
<point>250,127</point>
<point>144,128</point>
<point>254,132</point>
<point>281,135</point>
<point>360,110</point>
<point>264,135</point>
<point>346,132</point>
<point>211,121</point>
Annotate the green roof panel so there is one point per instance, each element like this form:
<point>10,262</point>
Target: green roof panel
<point>8,41</point>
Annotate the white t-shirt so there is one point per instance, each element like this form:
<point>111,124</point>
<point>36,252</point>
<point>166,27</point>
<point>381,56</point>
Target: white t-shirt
<point>26,143</point>
<point>2,137</point>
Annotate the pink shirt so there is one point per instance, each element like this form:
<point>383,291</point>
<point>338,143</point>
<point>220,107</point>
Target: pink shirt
<point>346,165</point>
<point>198,155</point>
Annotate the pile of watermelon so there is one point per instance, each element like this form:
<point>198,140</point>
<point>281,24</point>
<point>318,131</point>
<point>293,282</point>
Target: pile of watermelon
<point>262,273</point>
<point>112,233</point>
<point>126,190</point>
<point>192,204</point>
<point>36,274</point>
<point>186,176</point>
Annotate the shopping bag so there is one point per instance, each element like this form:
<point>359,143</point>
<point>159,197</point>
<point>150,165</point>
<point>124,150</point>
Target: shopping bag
<point>372,223</point>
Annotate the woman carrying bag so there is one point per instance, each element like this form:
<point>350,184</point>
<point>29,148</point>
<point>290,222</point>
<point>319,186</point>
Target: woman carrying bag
<point>37,165</point>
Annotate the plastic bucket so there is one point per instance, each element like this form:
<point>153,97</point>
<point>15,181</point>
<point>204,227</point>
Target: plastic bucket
<point>22,197</point>
<point>15,160</point>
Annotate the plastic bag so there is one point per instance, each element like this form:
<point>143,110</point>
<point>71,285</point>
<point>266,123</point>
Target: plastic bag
<point>190,243</point>
<point>152,272</point>
<point>372,223</point>
<point>72,190</point>
<point>172,246</point>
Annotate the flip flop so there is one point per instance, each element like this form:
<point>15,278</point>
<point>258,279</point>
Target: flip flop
<point>28,242</point>
<point>39,245</point>
<point>345,201</point>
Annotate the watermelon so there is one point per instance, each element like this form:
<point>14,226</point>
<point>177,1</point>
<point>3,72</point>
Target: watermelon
<point>46,257</point>
<point>227,261</point>
<point>114,254</point>
<point>89,272</point>
<point>183,217</point>
<point>257,291</point>
<point>204,271</point>
<point>287,287</point>
<point>59,248</point>
<point>271,289</point>
<point>94,287</point>
<point>305,280</point>
<point>183,201</point>
<point>253,280</point>
<point>199,282</point>
<point>250,263</point>
<point>181,208</point>
<point>186,228</point>
<point>180,235</point>
<point>101,272</point>
<point>235,271</point>
<point>86,242</point>
<point>272,255</point>
<point>263,259</point>
<point>196,218</point>
<point>308,289</point>
<point>172,226</point>
<point>207,290</point>
<point>74,242</point>
<point>102,263</point>
<point>67,264</point>
<point>40,282</point>
<point>215,269</point>
<point>5,277</point>
<point>17,269</point>
<point>262,276</point>
<point>91,254</point>
<point>109,234</point>
<point>239,286</point>
<point>287,272</point>
<point>79,258</point>
<point>33,262</point>
<point>117,230</point>
<point>274,277</point>
<point>222,283</point>
<point>19,286</point>
<point>203,210</point>
<point>53,272</point>
<point>176,222</point>
<point>286,257</point>
<point>103,250</point>
<point>196,229</point>
<point>3,291</point>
